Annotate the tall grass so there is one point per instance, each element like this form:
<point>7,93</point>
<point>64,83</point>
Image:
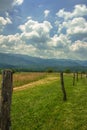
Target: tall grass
<point>42,107</point>
<point>24,78</point>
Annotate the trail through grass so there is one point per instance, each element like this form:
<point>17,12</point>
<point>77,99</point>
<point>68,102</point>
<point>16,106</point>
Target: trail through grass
<point>42,107</point>
<point>23,78</point>
<point>45,80</point>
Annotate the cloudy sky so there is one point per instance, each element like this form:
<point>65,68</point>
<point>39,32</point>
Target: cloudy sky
<point>44,28</point>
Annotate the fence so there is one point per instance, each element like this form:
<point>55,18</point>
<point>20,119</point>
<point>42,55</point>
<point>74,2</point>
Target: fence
<point>6,97</point>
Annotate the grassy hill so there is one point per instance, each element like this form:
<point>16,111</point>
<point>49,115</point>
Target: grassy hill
<point>42,107</point>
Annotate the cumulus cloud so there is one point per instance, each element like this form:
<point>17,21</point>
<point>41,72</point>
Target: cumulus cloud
<point>4,22</point>
<point>36,33</point>
<point>38,42</point>
<point>46,13</point>
<point>17,2</point>
<point>60,42</point>
<point>74,24</point>
<point>79,46</point>
<point>33,38</point>
<point>79,11</point>
<point>14,44</point>
<point>77,26</point>
<point>36,38</point>
<point>32,25</point>
<point>79,49</point>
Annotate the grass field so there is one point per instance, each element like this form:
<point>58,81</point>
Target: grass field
<point>23,78</point>
<point>42,107</point>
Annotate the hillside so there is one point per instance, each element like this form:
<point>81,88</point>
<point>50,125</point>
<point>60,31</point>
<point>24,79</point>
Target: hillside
<point>39,64</point>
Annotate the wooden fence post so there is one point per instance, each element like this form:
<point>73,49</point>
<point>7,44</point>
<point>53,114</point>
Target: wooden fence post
<point>73,79</point>
<point>62,85</point>
<point>0,110</point>
<point>6,97</point>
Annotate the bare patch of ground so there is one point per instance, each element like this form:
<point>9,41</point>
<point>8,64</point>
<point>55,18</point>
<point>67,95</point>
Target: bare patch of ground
<point>35,83</point>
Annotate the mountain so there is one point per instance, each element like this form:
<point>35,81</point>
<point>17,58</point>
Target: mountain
<point>38,64</point>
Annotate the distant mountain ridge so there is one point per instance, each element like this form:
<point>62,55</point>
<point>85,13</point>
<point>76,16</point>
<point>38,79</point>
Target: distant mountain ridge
<point>8,60</point>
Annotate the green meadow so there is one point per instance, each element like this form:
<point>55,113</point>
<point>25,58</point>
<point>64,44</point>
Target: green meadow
<point>41,107</point>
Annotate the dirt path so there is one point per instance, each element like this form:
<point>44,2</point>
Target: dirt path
<point>35,83</point>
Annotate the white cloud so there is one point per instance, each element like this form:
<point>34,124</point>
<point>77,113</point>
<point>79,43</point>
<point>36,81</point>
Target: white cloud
<point>72,23</point>
<point>4,22</point>
<point>63,14</point>
<point>79,11</point>
<point>79,46</point>
<point>36,33</point>
<point>17,2</point>
<point>77,26</point>
<point>79,50</point>
<point>46,13</point>
<point>58,46</point>
<point>14,44</point>
<point>60,42</point>
<point>74,27</point>
<point>35,38</point>
<point>32,25</point>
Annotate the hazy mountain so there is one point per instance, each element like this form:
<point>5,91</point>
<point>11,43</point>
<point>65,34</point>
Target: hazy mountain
<point>34,63</point>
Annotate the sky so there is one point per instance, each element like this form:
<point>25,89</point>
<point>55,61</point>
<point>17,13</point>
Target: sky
<point>44,28</point>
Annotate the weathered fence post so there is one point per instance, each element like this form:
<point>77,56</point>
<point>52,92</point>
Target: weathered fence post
<point>73,79</point>
<point>62,85</point>
<point>0,110</point>
<point>6,97</point>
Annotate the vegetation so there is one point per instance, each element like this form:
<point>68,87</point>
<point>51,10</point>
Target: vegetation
<point>67,71</point>
<point>49,70</point>
<point>25,78</point>
<point>42,107</point>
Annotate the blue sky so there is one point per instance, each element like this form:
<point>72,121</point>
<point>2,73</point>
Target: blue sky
<point>44,28</point>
